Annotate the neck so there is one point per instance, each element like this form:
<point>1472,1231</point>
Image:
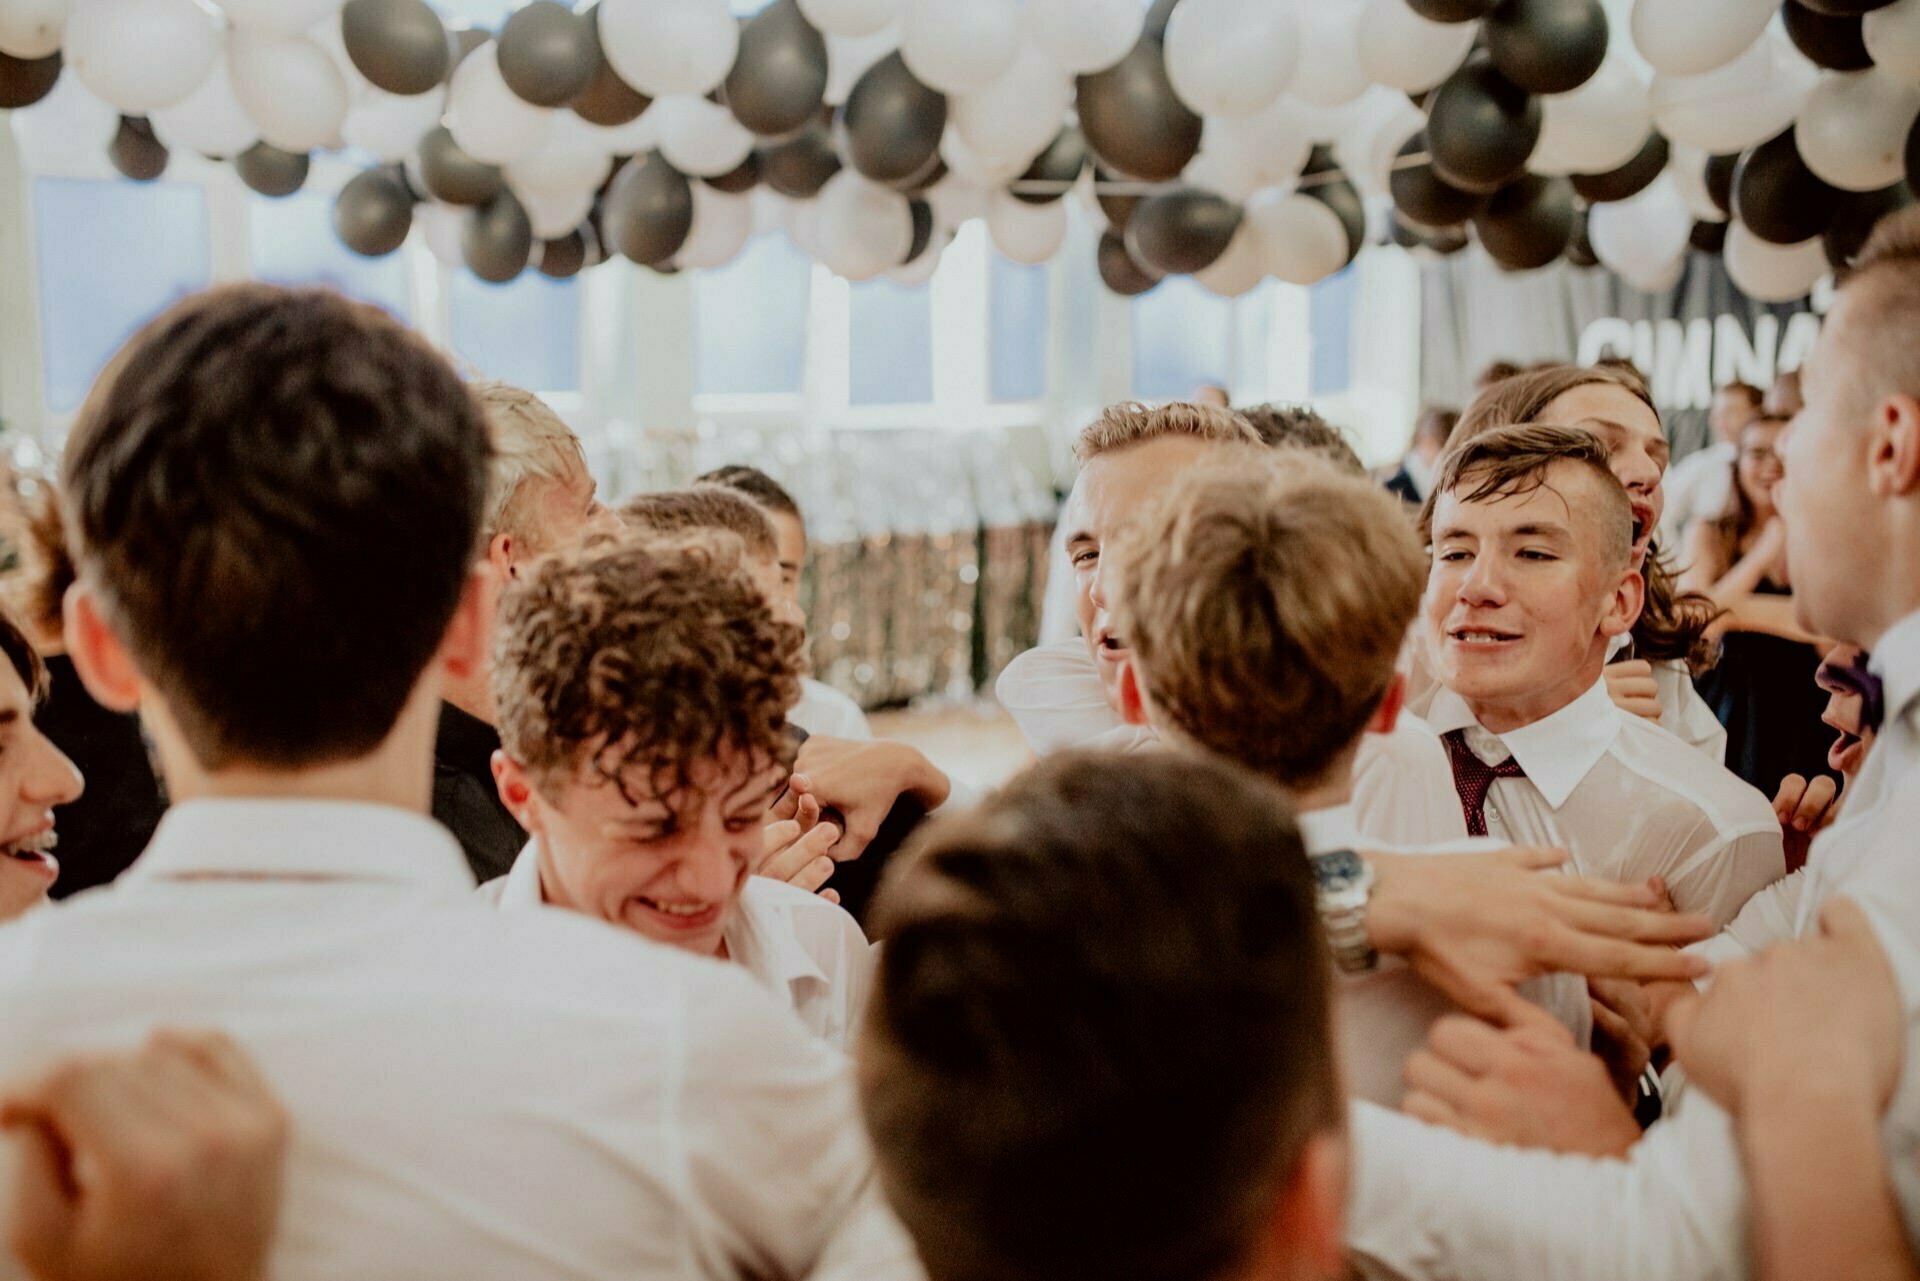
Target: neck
<point>1502,715</point>
<point>1332,789</point>
<point>473,695</point>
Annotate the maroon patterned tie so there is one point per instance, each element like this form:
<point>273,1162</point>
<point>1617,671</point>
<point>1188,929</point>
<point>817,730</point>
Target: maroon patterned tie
<point>1473,779</point>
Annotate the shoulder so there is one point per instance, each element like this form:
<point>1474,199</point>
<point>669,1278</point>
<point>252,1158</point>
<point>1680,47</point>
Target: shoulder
<point>1664,763</point>
<point>811,918</point>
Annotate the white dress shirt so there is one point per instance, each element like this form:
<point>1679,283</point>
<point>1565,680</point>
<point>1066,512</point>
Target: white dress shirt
<point>1402,784</point>
<point>825,711</point>
<point>1428,1203</point>
<point>1629,800</point>
<point>528,1096</point>
<point>807,953</point>
<point>1699,487</point>
<point>1385,1015</point>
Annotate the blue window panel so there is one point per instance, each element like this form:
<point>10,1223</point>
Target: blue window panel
<point>293,243</point>
<point>525,332</point>
<point>1018,317</point>
<point>1330,318</point>
<point>1182,339</point>
<point>112,256</point>
<point>490,14</point>
<point>892,339</point>
<point>750,322</point>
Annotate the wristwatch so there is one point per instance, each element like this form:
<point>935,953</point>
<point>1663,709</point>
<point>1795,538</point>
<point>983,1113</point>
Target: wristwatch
<point>1345,882</point>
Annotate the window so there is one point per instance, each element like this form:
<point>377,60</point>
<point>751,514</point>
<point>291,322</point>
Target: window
<point>892,344</point>
<point>750,322</point>
<point>1018,328</point>
<point>111,256</point>
<point>1182,339</point>
<point>1330,318</point>
<point>526,332</point>
<point>293,243</point>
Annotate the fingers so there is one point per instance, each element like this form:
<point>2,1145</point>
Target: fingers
<point>831,896</point>
<point>1787,800</point>
<point>1814,803</point>
<point>1621,893</point>
<point>775,837</point>
<point>1422,1106</point>
<point>1430,1074</point>
<point>1467,1044</point>
<point>1679,1023</point>
<point>806,863</point>
<point>862,827</point>
<point>808,812</point>
<point>1634,923</point>
<point>44,1200</point>
<point>1533,858</point>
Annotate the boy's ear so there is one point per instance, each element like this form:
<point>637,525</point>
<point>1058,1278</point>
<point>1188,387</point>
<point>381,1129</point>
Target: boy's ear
<point>1133,696</point>
<point>1392,703</point>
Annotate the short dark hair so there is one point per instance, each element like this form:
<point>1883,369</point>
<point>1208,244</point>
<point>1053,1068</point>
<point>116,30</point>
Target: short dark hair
<point>1745,390</point>
<point>1516,460</point>
<point>1438,422</point>
<point>24,657</point>
<point>275,494</point>
<point>1301,427</point>
<point>755,484</point>
<point>704,507</point>
<point>1494,372</point>
<point>1099,1040</point>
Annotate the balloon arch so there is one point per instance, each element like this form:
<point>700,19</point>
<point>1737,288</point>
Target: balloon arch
<point>1230,140</point>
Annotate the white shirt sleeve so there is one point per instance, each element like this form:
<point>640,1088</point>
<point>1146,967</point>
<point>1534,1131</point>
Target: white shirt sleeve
<point>1768,918</point>
<point>1684,714</point>
<point>1723,876</point>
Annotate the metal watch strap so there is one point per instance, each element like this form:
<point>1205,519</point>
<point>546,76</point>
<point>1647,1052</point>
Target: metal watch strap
<point>1346,928</point>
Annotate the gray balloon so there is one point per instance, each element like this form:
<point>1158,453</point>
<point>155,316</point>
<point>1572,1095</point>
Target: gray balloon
<point>649,210</point>
<point>398,45</point>
<point>271,171</point>
<point>548,54</point>
<point>497,241</point>
<point>1134,121</point>
<point>1062,162</point>
<point>24,81</point>
<point>373,213</point>
<point>892,123</point>
<point>135,152</point>
<point>607,99</point>
<point>779,78</point>
<point>799,167</point>
<point>1181,232</point>
<point>563,257</point>
<point>452,175</point>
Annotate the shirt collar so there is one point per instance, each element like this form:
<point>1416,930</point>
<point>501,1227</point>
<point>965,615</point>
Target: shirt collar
<point>1330,829</point>
<point>1556,751</point>
<point>302,839</point>
<point>466,743</point>
<point>761,939</point>
<point>1896,661</point>
<point>520,887</point>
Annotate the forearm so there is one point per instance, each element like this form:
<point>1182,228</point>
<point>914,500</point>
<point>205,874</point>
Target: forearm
<point>1770,615</point>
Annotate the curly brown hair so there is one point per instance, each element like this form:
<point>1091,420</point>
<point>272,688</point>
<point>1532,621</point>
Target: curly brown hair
<point>645,657</point>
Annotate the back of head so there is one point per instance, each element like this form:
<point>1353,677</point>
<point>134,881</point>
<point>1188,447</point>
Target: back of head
<point>755,484</point>
<point>531,445</point>
<point>1266,605</point>
<point>1516,460</point>
<point>1436,424</point>
<point>1121,426</point>
<point>1883,313</point>
<point>1495,371</point>
<point>1302,428</point>
<point>1099,1041</point>
<point>704,507</point>
<point>276,497</point>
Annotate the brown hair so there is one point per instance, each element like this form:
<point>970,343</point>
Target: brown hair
<point>24,657</point>
<point>1740,518</point>
<point>643,654</point>
<point>705,507</point>
<point>1099,1038</point>
<point>46,562</point>
<point>275,495</point>
<point>1266,607</point>
<point>1673,623</point>
<point>1120,426</point>
<point>1300,427</point>
<point>755,484</point>
<point>1495,372</point>
<point>1517,460</point>
<point>1745,390</point>
<point>1437,422</point>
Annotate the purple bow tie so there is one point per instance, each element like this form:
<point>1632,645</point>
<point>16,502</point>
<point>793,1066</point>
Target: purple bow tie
<point>1854,678</point>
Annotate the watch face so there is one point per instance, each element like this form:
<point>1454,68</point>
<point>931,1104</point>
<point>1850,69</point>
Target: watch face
<point>1338,871</point>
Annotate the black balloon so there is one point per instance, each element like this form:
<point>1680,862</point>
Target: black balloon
<point>607,99</point>
<point>779,77</point>
<point>373,213</point>
<point>1405,234</point>
<point>497,241</point>
<point>922,230</point>
<point>1708,237</point>
<point>1134,121</point>
<point>24,81</point>
<point>1579,245</point>
<point>1118,208</point>
<point>1426,197</point>
<point>931,172</point>
<point>1833,43</point>
<point>271,171</point>
<point>799,167</point>
<point>1183,231</point>
<point>454,176</point>
<point>1062,162</point>
<point>1843,8</point>
<point>1847,234</point>
<point>1547,46</point>
<point>1448,240</point>
<point>1452,10</point>
<point>1332,188</point>
<point>893,122</point>
<point>1528,223</point>
<point>1778,197</point>
<point>736,181</point>
<point>1118,270</point>
<point>400,46</point>
<point>548,53</point>
<point>1719,177</point>
<point>1481,127</point>
<point>1629,179</point>
<point>563,257</point>
<point>135,152</point>
<point>649,210</point>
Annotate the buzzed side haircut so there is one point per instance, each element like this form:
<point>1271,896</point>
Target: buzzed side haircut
<point>704,507</point>
<point>1121,426</point>
<point>1508,461</point>
<point>755,484</point>
<point>1301,427</point>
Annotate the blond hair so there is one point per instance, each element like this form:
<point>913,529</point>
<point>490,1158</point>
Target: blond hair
<point>530,444</point>
<point>1266,600</point>
<point>1121,426</point>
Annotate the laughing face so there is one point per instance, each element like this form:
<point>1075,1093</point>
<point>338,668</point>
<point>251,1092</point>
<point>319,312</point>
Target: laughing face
<point>35,776</point>
<point>1639,448</point>
<point>1845,704</point>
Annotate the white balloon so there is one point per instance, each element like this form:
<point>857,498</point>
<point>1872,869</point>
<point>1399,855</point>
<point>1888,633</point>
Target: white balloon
<point>1661,278</point>
<point>1273,146</point>
<point>634,138</point>
<point>958,46</point>
<point>1018,114</point>
<point>1242,266</point>
<point>1369,141</point>
<point>290,88</point>
<point>1406,51</point>
<point>864,228</point>
<point>279,17</point>
<point>1853,130</point>
<point>1084,36</point>
<point>442,225</point>
<point>987,171</point>
<point>1329,73</point>
<point>700,137</point>
<point>1597,127</point>
<point>669,46</point>
<point>849,57</point>
<point>1639,236</point>
<point>1743,103</point>
<point>32,28</point>
<point>921,269</point>
<point>1892,35</point>
<point>1301,239</point>
<point>491,122</point>
<point>139,55</point>
<point>390,125</point>
<point>569,157</point>
<point>1224,173</point>
<point>1231,57</point>
<point>957,200</point>
<point>769,210</point>
<point>849,17</point>
<point>803,227</point>
<point>1689,37</point>
<point>1687,166</point>
<point>1772,273</point>
<point>722,225</point>
<point>68,122</point>
<point>554,213</point>
<point>211,120</point>
<point>1026,233</point>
